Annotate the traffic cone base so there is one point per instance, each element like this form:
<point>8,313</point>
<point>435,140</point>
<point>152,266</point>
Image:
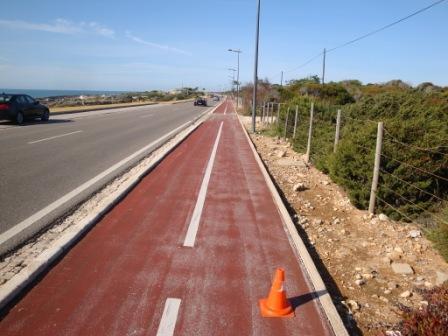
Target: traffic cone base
<point>266,312</point>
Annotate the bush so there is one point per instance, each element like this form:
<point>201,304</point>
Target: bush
<point>431,320</point>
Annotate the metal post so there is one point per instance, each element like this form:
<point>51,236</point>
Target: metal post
<point>254,97</point>
<point>286,124</point>
<point>295,122</point>
<point>238,82</point>
<point>338,128</point>
<point>310,132</point>
<point>376,168</point>
<point>323,67</point>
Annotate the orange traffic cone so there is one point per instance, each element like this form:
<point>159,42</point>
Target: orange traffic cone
<point>276,304</point>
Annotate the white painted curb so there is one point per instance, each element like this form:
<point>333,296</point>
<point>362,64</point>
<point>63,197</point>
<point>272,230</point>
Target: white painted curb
<point>42,262</point>
<point>300,249</point>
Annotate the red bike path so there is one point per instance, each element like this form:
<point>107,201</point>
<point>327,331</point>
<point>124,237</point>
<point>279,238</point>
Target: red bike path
<point>133,268</point>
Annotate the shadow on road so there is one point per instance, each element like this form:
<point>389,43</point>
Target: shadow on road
<point>300,300</point>
<point>7,123</point>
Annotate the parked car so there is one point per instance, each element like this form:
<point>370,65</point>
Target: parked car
<point>216,98</point>
<point>200,101</point>
<point>19,107</point>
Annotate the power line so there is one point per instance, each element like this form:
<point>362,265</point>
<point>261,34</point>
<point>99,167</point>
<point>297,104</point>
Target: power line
<point>386,26</point>
<point>370,33</point>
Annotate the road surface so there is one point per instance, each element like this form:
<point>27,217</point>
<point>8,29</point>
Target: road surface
<point>41,162</point>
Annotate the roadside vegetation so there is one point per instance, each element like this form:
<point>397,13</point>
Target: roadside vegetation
<point>413,182</point>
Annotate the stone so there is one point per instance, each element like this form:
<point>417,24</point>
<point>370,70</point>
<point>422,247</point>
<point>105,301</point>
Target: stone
<point>398,249</point>
<point>318,221</point>
<point>7,275</point>
<point>299,187</point>
<point>336,221</point>
<point>387,291</point>
<point>360,282</point>
<point>392,285</point>
<point>428,284</point>
<point>353,305</point>
<point>358,277</point>
<point>393,333</point>
<point>383,217</point>
<point>402,268</point>
<point>368,276</point>
<point>441,277</point>
<point>406,294</point>
<point>415,234</point>
<point>385,300</point>
<point>281,154</point>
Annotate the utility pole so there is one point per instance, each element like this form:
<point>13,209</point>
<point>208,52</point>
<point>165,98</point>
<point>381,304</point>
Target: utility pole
<point>254,96</point>
<point>238,52</point>
<point>323,67</point>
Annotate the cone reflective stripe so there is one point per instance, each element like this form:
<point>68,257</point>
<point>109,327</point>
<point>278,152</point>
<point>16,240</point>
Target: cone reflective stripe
<point>276,304</point>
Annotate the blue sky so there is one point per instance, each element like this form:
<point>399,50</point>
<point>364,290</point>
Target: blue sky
<point>141,45</point>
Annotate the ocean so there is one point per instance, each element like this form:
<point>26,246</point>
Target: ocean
<point>52,93</point>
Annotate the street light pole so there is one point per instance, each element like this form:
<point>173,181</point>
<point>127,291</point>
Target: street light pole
<point>238,52</point>
<point>233,78</point>
<point>254,96</point>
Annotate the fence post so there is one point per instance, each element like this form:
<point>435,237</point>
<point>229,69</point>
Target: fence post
<point>286,123</point>
<point>272,112</point>
<point>310,132</point>
<point>338,128</point>
<point>263,112</point>
<point>376,168</point>
<point>295,122</point>
<point>278,115</point>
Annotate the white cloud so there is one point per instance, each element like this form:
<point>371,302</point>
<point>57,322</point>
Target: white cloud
<point>156,45</point>
<point>60,26</point>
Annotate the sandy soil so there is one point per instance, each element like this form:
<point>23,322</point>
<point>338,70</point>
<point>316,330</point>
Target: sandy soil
<point>370,264</point>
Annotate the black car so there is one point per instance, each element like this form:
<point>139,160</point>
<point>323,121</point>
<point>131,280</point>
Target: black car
<point>200,101</point>
<point>18,107</point>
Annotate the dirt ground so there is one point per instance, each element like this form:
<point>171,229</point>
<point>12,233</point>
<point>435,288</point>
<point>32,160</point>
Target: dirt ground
<point>370,264</point>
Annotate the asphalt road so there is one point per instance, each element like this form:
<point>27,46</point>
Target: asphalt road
<point>41,162</point>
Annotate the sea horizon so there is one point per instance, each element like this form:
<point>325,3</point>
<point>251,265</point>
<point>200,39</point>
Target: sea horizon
<point>44,93</point>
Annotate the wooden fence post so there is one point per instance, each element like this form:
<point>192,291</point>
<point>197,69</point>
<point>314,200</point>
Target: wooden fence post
<point>310,132</point>
<point>376,168</point>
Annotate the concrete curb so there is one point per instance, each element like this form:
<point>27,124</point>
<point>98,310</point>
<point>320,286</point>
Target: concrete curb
<point>301,251</point>
<point>71,236</point>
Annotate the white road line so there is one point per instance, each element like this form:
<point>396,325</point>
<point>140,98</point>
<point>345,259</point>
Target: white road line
<point>5,236</point>
<point>146,116</point>
<point>169,317</point>
<point>225,110</point>
<point>197,212</point>
<point>53,137</point>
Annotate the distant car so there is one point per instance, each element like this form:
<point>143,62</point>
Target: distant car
<point>200,101</point>
<point>216,98</point>
<point>18,107</point>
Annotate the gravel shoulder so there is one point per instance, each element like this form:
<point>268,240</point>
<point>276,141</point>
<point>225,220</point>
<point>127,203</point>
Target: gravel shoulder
<point>370,264</point>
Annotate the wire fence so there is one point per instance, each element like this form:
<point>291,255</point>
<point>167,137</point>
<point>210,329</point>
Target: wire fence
<point>411,179</point>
